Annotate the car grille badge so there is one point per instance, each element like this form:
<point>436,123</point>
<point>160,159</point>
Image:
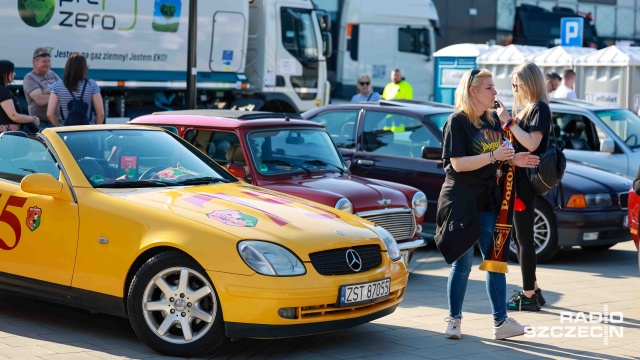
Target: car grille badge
<point>384,202</point>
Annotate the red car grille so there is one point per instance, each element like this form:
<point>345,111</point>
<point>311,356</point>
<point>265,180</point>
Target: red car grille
<point>400,223</point>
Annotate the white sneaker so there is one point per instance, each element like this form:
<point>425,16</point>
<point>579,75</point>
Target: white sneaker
<point>509,328</point>
<point>454,329</point>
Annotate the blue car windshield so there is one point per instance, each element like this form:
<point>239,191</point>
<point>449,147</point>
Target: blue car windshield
<point>140,158</point>
<point>624,123</point>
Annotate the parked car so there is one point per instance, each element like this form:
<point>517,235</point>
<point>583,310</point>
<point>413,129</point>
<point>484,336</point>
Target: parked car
<point>297,157</point>
<point>135,222</point>
<point>604,136</point>
<point>402,141</point>
<point>634,219</point>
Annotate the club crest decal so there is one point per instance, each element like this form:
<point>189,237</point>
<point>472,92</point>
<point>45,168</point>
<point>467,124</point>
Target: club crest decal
<point>34,214</point>
<point>233,218</point>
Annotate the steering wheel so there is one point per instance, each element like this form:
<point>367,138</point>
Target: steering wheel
<point>151,171</point>
<point>635,139</point>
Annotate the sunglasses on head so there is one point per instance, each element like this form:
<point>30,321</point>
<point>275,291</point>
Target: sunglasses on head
<point>474,72</point>
<point>45,54</point>
<point>364,83</point>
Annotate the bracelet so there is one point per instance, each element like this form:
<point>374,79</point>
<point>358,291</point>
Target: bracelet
<point>508,124</point>
<point>492,158</point>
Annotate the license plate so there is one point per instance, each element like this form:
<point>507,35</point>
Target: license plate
<point>625,221</point>
<point>364,293</point>
<point>405,256</point>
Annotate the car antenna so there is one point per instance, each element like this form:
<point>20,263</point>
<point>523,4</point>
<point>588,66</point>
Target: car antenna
<point>286,118</point>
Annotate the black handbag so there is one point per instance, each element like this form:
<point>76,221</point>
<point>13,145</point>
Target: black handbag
<point>549,172</point>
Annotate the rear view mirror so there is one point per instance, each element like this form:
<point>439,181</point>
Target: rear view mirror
<point>325,22</point>
<point>608,146</point>
<point>237,171</point>
<point>327,43</point>
<point>294,140</point>
<point>431,153</point>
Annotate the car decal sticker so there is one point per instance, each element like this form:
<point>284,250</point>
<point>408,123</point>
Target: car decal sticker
<point>200,199</point>
<point>233,218</point>
<point>129,166</point>
<point>34,215</point>
<point>279,199</point>
<point>9,218</point>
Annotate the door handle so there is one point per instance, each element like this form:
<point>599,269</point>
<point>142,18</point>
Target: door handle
<point>365,162</point>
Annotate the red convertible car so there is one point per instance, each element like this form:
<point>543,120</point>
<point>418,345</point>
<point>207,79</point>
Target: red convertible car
<point>297,157</point>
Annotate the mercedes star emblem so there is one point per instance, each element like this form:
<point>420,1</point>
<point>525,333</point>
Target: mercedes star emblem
<point>353,260</point>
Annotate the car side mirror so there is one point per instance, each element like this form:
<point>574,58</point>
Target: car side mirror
<point>608,146</point>
<point>41,184</point>
<point>431,153</point>
<point>237,171</point>
<point>348,163</point>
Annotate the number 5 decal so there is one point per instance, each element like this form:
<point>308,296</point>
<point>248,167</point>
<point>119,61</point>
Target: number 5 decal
<point>12,220</point>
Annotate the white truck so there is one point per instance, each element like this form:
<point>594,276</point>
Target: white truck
<point>137,50</point>
<point>375,36</point>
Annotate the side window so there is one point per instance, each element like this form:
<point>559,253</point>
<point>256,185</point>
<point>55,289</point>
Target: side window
<point>341,125</point>
<point>21,156</point>
<point>396,135</point>
<point>414,40</point>
<point>213,143</point>
<point>576,131</point>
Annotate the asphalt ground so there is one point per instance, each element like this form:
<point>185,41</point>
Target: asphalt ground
<point>577,285</point>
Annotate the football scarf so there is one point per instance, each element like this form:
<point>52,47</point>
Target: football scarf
<point>495,260</point>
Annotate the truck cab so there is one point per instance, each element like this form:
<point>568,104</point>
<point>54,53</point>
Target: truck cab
<point>374,36</point>
<point>286,63</point>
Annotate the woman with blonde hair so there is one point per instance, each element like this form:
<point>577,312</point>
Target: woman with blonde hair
<point>365,91</point>
<point>531,127</point>
<point>470,199</point>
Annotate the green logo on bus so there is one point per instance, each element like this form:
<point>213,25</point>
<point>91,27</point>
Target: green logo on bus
<point>36,13</point>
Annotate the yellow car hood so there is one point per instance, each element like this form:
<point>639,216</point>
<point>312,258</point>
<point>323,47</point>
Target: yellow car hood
<point>250,212</point>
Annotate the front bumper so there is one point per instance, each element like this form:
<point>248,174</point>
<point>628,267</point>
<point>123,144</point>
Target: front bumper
<point>412,244</point>
<point>572,227</point>
<point>250,303</point>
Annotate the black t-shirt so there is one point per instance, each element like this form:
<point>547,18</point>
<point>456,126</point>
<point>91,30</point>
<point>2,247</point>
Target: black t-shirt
<point>5,94</point>
<point>461,139</point>
<point>539,119</point>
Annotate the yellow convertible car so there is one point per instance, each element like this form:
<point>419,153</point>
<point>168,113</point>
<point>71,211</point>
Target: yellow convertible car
<point>135,222</point>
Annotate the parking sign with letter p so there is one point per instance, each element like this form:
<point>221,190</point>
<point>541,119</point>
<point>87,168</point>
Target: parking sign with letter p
<point>571,31</point>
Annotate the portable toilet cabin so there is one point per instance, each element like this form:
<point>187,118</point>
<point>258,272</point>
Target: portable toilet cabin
<point>450,64</point>
<point>502,62</point>
<point>559,58</point>
<point>610,76</point>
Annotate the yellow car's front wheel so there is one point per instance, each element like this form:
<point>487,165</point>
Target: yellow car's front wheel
<point>174,308</point>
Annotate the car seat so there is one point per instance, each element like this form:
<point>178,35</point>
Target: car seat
<point>573,130</point>
<point>81,148</point>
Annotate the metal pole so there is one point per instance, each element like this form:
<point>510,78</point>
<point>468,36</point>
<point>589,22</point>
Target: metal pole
<point>191,55</point>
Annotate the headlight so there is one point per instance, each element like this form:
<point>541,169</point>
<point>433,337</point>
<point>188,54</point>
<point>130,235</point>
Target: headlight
<point>389,242</point>
<point>580,201</point>
<point>345,205</point>
<point>270,259</point>
<point>419,204</point>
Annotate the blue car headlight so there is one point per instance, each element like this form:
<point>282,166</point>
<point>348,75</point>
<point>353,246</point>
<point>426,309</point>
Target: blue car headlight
<point>389,242</point>
<point>270,259</point>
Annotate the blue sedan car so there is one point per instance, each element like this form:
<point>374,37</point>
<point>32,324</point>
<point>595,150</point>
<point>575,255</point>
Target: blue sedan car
<point>401,141</point>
